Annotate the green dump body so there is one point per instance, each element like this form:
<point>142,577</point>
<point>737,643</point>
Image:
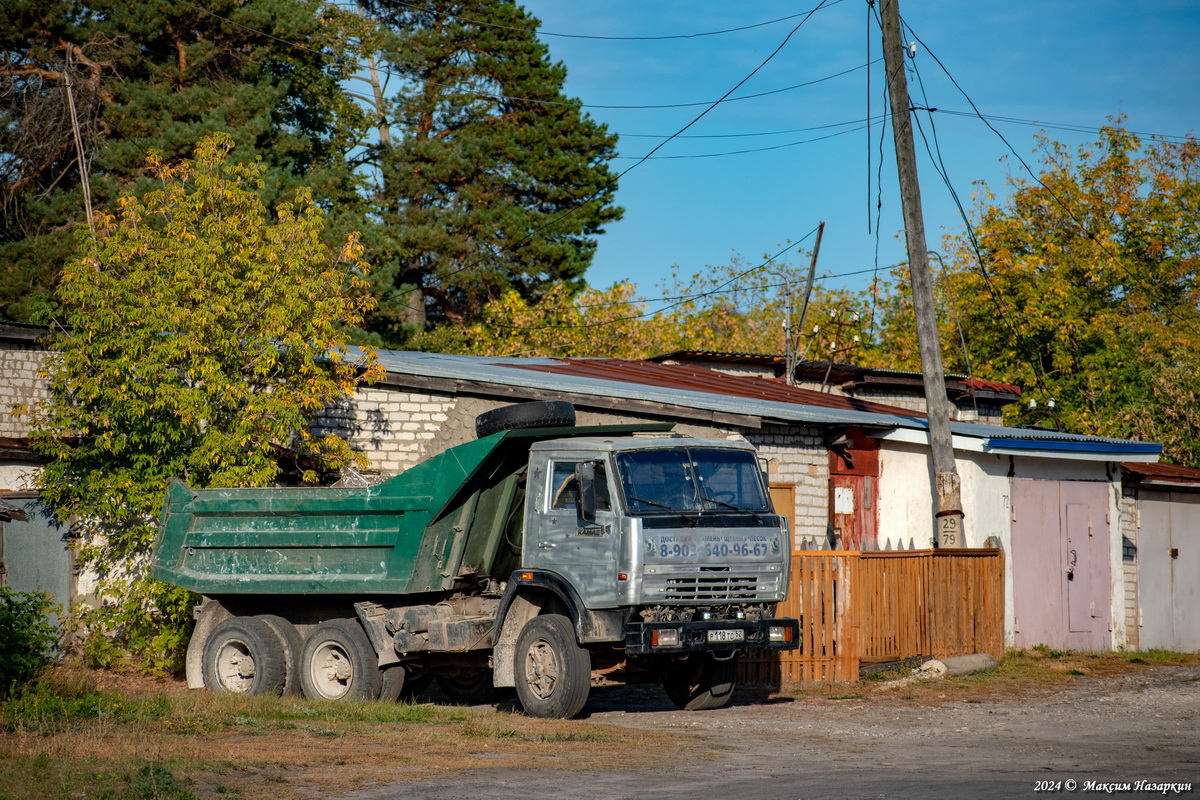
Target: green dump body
<point>454,516</point>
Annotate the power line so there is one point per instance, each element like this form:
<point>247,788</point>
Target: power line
<point>679,300</point>
<point>654,150</point>
<point>810,129</point>
<point>543,102</point>
<point>748,150</point>
<point>659,38</point>
<point>728,99</point>
<point>1147,285</point>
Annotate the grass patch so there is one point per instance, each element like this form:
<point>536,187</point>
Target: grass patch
<point>81,734</point>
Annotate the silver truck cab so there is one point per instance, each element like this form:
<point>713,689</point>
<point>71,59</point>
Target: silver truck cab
<point>681,529</point>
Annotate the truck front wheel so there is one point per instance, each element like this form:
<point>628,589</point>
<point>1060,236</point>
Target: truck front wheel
<point>337,662</point>
<point>243,655</point>
<point>553,672</point>
<point>700,682</point>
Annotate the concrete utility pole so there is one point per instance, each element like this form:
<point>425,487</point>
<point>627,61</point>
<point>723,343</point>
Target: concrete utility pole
<point>949,530</point>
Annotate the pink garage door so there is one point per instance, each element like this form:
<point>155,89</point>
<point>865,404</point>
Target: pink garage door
<point>1060,565</point>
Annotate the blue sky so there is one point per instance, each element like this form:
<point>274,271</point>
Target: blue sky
<point>1062,62</point>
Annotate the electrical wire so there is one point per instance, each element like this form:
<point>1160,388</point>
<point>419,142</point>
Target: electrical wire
<point>596,37</point>
<point>343,62</point>
<point>868,120</point>
<point>1029,356</point>
<point>1147,285</point>
<point>748,150</point>
<point>613,181</point>
<point>731,99</point>
<point>679,300</point>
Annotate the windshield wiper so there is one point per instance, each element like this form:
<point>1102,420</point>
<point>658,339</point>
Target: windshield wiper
<point>651,503</point>
<point>683,514</point>
<point>723,504</point>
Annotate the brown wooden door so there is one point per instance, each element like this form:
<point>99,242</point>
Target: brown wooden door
<point>783,499</point>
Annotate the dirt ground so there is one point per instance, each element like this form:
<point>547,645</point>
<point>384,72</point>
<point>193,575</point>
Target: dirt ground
<point>1098,734</point>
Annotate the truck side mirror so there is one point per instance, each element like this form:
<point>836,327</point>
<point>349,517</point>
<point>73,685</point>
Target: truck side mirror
<point>585,481</point>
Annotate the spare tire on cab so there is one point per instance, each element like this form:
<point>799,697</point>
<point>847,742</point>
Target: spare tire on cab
<point>535,414</point>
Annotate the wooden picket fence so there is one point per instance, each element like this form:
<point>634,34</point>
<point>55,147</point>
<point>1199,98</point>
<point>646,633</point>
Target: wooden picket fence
<point>858,608</point>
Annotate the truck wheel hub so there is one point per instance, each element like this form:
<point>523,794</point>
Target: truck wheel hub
<point>541,669</point>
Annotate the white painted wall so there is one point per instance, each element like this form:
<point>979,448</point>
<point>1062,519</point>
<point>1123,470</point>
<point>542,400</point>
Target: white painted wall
<point>906,508</point>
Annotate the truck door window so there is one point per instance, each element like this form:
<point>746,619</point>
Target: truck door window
<point>564,494</point>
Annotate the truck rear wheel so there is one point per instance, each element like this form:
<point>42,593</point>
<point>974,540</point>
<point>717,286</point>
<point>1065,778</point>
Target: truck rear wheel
<point>392,680</point>
<point>243,655</point>
<point>701,683</point>
<point>467,686</point>
<point>553,672</point>
<point>291,643</point>
<point>337,662</point>
<point>534,414</point>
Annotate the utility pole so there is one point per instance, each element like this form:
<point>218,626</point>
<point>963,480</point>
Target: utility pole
<point>946,488</point>
<point>812,270</point>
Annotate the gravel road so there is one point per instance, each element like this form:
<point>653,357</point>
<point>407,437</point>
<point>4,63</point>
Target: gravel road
<point>1081,739</point>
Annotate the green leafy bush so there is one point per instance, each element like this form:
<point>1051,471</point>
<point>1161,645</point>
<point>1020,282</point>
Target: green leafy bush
<point>27,638</point>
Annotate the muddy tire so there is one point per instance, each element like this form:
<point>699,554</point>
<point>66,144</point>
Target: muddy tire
<point>554,674</point>
<point>415,686</point>
<point>468,687</point>
<point>291,643</point>
<point>338,663</point>
<point>701,683</point>
<point>392,680</point>
<point>243,655</point>
<point>537,414</point>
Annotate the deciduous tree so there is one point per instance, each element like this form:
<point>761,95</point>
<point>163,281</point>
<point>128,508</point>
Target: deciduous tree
<point>200,335</point>
<point>1084,288</point>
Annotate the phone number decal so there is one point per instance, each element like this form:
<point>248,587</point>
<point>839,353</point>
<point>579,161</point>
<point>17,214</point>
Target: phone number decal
<point>710,547</point>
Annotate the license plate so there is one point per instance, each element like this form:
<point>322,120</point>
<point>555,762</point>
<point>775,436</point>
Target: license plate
<point>726,636</point>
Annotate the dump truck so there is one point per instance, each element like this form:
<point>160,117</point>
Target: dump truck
<point>542,555</point>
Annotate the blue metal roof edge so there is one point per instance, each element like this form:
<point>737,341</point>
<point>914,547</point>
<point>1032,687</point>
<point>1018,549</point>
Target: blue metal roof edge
<point>1076,446</point>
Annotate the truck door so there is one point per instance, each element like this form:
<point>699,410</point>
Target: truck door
<point>558,540</point>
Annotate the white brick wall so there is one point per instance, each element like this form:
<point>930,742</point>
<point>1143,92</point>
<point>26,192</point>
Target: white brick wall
<point>20,363</point>
<point>797,456</point>
<point>1129,523</point>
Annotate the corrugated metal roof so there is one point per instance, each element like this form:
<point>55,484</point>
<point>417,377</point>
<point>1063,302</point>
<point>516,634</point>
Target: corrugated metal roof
<point>718,357</point>
<point>691,387</point>
<point>559,375</point>
<point>820,369</point>
<point>702,379</point>
<point>1171,473</point>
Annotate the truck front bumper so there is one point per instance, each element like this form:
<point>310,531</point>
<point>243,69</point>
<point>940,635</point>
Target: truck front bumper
<point>715,635</point>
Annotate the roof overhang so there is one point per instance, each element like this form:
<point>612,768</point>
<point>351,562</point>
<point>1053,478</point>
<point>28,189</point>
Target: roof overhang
<point>1077,448</point>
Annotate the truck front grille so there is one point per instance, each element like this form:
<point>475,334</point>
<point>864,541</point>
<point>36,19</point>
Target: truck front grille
<point>711,586</point>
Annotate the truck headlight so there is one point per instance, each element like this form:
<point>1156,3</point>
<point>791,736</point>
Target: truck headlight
<point>779,633</point>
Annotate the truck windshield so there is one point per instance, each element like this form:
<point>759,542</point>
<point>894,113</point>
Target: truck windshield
<point>691,480</point>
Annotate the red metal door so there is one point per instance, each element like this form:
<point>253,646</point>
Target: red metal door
<point>852,500</point>
<point>853,487</point>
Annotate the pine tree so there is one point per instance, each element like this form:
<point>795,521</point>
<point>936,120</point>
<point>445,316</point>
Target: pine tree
<point>490,178</point>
